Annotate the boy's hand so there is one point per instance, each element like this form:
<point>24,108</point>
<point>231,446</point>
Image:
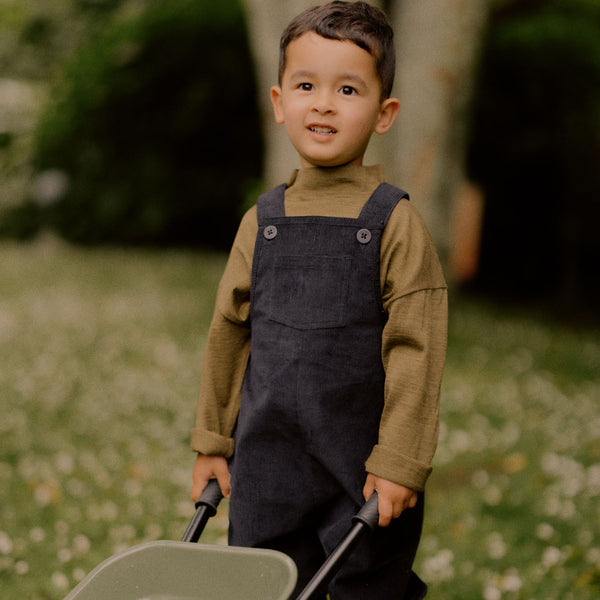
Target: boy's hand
<point>393,498</point>
<point>207,468</point>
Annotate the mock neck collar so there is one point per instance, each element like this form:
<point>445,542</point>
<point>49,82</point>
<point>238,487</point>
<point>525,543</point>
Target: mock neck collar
<point>324,178</point>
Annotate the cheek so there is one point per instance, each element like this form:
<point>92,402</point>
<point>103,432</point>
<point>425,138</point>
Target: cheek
<point>294,114</point>
<point>362,130</point>
<point>364,120</point>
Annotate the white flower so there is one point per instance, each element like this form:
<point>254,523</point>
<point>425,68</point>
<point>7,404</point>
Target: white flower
<point>544,531</point>
<point>37,534</point>
<point>439,567</point>
<point>552,506</point>
<point>60,580</point>
<point>593,556</point>
<point>511,582</point>
<point>551,557</point>
<point>492,495</point>
<point>64,555</point>
<point>81,544</point>
<point>480,478</point>
<point>6,544</point>
<point>153,531</point>
<point>21,567</point>
<point>460,441</point>
<point>491,592</point>
<point>496,546</point>
<point>65,463</point>
<point>551,463</point>
<point>568,510</point>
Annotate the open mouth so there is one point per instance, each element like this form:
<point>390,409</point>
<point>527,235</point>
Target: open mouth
<point>322,130</point>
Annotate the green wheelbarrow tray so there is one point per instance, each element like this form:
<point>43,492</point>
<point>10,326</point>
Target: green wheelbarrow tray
<point>167,570</point>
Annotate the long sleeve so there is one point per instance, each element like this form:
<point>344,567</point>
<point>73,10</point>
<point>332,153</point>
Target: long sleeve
<point>413,343</point>
<point>227,349</point>
<point>413,351</point>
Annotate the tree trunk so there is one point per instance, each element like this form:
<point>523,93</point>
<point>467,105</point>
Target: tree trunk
<point>266,21</point>
<point>437,43</point>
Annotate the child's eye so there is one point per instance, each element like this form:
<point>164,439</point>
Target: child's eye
<point>348,90</point>
<point>305,87</point>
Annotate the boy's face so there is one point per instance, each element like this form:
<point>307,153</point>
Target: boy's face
<point>329,100</point>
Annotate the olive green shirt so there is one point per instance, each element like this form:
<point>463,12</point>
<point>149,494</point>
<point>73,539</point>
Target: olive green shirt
<point>414,337</point>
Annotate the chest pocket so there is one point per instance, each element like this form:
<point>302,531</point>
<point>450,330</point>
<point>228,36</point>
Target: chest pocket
<point>309,292</point>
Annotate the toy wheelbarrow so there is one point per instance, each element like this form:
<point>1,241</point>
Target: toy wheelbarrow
<point>167,570</point>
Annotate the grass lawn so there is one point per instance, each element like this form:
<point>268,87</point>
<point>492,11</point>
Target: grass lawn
<point>101,353</point>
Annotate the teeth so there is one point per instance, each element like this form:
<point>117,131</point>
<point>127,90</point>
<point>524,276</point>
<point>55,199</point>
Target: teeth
<point>322,130</point>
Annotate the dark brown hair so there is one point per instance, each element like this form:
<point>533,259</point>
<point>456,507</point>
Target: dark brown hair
<point>358,22</point>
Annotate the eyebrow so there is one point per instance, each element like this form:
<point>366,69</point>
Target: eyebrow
<point>301,74</point>
<point>354,78</point>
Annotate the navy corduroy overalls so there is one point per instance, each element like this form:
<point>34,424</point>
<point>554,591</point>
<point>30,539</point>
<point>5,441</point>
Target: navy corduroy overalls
<point>313,395</point>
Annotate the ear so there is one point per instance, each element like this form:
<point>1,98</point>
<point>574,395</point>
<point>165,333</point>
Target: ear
<point>277,104</point>
<point>387,115</point>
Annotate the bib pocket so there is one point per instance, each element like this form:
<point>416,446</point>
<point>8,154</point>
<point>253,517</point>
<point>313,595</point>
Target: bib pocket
<point>310,292</point>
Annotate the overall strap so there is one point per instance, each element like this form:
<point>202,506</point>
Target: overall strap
<point>270,205</point>
<point>379,206</point>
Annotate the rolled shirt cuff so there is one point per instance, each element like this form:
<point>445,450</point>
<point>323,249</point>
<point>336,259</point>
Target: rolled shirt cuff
<point>210,443</point>
<point>385,462</point>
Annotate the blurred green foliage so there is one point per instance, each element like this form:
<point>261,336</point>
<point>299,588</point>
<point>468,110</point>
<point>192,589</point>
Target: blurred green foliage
<point>151,134</point>
<point>37,36</point>
<point>536,150</point>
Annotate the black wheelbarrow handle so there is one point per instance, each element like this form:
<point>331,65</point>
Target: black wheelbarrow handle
<point>206,507</point>
<point>362,522</point>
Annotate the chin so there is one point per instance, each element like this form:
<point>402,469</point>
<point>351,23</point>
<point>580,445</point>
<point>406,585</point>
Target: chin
<point>330,163</point>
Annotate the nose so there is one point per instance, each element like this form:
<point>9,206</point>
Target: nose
<point>324,104</point>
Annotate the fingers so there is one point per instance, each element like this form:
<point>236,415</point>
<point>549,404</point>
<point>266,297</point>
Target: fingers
<point>200,482</point>
<point>386,512</point>
<point>393,498</point>
<point>224,479</point>
<point>369,487</point>
<point>389,509</point>
<point>196,491</point>
<point>207,468</point>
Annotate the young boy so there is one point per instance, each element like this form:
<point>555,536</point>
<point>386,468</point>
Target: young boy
<point>325,354</point>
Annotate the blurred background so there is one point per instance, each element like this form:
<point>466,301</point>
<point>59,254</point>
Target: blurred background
<point>135,121</point>
<point>133,136</point>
